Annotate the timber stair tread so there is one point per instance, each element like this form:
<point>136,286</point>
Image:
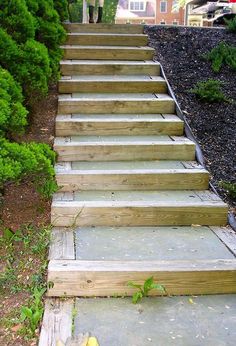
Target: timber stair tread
<point>109,67</point>
<point>111,84</point>
<point>102,27</point>
<point>114,39</point>
<point>149,175</point>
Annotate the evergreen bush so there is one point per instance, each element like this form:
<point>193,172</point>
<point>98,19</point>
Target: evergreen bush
<point>17,20</point>
<point>223,54</point>
<point>34,160</point>
<point>209,91</point>
<point>13,115</point>
<point>61,6</point>
<point>231,24</point>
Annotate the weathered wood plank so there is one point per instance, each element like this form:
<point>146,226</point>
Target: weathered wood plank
<point>67,214</point>
<point>227,236</point>
<point>107,52</point>
<point>90,67</point>
<point>102,86</point>
<point>70,127</point>
<point>109,28</point>
<point>105,278</point>
<point>105,39</point>
<point>125,151</point>
<point>62,244</point>
<point>57,322</point>
<point>162,179</point>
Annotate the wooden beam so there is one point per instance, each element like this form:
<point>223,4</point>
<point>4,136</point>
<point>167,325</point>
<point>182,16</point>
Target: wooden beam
<point>106,278</point>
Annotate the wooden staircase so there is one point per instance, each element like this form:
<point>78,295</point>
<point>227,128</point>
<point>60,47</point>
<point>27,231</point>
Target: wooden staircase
<point>126,168</point>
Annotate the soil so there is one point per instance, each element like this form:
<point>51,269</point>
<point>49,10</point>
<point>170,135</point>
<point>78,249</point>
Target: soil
<point>180,51</point>
<point>21,206</point>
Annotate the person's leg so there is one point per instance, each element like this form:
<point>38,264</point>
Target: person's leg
<point>100,10</point>
<point>91,10</point>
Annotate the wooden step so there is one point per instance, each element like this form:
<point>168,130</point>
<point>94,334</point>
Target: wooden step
<point>106,39</point>
<point>116,103</point>
<point>123,148</point>
<point>112,84</point>
<point>118,124</point>
<point>107,52</point>
<point>137,208</point>
<point>140,175</point>
<point>105,28</point>
<point>108,278</point>
<point>109,67</point>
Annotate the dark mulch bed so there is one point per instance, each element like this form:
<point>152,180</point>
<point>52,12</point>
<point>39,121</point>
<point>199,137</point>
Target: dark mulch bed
<point>180,51</point>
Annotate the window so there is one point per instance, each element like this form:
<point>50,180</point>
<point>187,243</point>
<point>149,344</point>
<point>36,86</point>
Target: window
<point>162,21</point>
<point>163,6</point>
<point>175,22</point>
<point>137,6</point>
<point>175,7</point>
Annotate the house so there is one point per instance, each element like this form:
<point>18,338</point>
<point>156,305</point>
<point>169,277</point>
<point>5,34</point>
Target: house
<point>149,12</point>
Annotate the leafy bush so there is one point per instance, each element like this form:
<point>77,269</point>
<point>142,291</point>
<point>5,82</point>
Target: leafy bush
<point>32,159</point>
<point>230,188</point>
<point>231,24</point>
<point>109,11</point>
<point>13,115</point>
<point>17,20</point>
<point>223,54</point>
<point>49,30</point>
<point>28,63</point>
<point>61,6</point>
<point>209,91</point>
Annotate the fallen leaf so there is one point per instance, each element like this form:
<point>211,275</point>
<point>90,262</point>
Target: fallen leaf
<point>16,327</point>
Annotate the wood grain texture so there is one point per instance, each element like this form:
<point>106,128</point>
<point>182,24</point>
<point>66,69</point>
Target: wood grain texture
<point>105,278</point>
<point>126,152</point>
<point>69,67</point>
<point>57,322</point>
<point>70,127</point>
<point>67,214</point>
<point>62,244</point>
<point>107,53</point>
<point>105,39</point>
<point>109,28</point>
<point>162,179</point>
<point>100,86</point>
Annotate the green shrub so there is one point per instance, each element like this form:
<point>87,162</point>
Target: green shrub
<point>230,188</point>
<point>223,54</point>
<point>61,6</point>
<point>231,24</point>
<point>13,115</point>
<point>49,30</point>
<point>109,11</point>
<point>34,160</point>
<point>28,63</point>
<point>76,11</point>
<point>209,91</point>
<point>17,20</point>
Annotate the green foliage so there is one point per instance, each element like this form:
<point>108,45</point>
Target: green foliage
<point>13,115</point>
<point>32,314</point>
<point>230,188</point>
<point>32,159</point>
<point>143,290</point>
<point>28,63</point>
<point>209,91</point>
<point>17,20</point>
<point>49,30</point>
<point>62,8</point>
<point>231,24</point>
<point>223,54</point>
<point>109,11</point>
<point>76,11</point>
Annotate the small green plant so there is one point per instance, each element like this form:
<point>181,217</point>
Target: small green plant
<point>230,188</point>
<point>143,290</point>
<point>231,24</point>
<point>32,314</point>
<point>209,91</point>
<point>223,54</point>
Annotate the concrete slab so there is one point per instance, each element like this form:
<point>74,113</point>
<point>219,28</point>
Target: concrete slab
<point>177,321</point>
<point>129,165</point>
<point>150,196</point>
<point>123,139</point>
<point>148,243</point>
